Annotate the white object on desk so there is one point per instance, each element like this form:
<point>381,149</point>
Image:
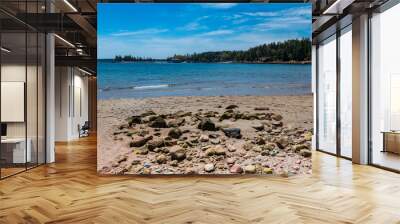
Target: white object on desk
<point>12,101</point>
<point>19,155</point>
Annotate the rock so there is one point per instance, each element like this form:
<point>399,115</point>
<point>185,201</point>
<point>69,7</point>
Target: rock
<point>134,120</point>
<point>267,170</point>
<point>282,142</point>
<point>269,146</point>
<point>161,159</point>
<point>183,114</point>
<point>230,160</point>
<point>232,132</point>
<point>204,138</point>
<point>209,167</point>
<point>297,148</point>
<point>247,146</point>
<point>250,169</point>
<point>276,117</point>
<point>141,151</point>
<point>261,108</point>
<point>215,150</point>
<point>213,135</point>
<point>230,107</point>
<point>177,153</point>
<point>148,113</point>
<point>174,163</point>
<point>146,171</point>
<point>175,133</point>
<point>259,141</point>
<point>231,148</point>
<point>139,141</point>
<point>215,141</point>
<point>155,143</point>
<point>159,122</point>
<point>225,116</point>
<point>236,169</point>
<point>206,125</point>
<point>305,153</point>
<point>308,136</point>
<point>147,165</point>
<point>277,123</point>
<point>258,127</point>
<point>176,123</point>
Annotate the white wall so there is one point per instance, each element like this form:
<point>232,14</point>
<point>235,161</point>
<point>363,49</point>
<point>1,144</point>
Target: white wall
<point>70,84</point>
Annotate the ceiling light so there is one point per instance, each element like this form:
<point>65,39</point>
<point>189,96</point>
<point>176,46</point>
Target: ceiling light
<point>86,72</point>
<point>65,41</point>
<point>5,50</point>
<point>70,5</point>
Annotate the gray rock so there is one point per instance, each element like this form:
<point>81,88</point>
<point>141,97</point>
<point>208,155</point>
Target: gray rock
<point>177,153</point>
<point>258,127</point>
<point>232,132</point>
<point>139,141</point>
<point>276,117</point>
<point>305,153</point>
<point>230,107</point>
<point>155,143</point>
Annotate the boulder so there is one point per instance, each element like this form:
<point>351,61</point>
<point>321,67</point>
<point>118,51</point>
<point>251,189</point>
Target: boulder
<point>177,153</point>
<point>175,133</point>
<point>230,107</point>
<point>139,141</point>
<point>305,153</point>
<point>232,132</point>
<point>250,169</point>
<point>206,125</point>
<point>159,122</point>
<point>134,120</point>
<point>236,169</point>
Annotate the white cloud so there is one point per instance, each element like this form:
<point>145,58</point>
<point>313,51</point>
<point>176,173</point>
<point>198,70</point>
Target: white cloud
<point>139,32</point>
<point>216,33</point>
<point>192,26</point>
<point>219,5</point>
<point>283,23</point>
<point>298,11</point>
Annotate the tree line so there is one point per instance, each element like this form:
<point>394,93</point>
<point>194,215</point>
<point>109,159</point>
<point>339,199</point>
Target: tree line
<point>295,50</point>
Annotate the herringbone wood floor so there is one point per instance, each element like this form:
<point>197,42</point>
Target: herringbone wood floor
<point>70,191</point>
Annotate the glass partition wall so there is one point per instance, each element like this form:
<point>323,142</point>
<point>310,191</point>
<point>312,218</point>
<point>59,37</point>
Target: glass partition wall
<point>385,89</point>
<point>22,78</point>
<point>334,94</point>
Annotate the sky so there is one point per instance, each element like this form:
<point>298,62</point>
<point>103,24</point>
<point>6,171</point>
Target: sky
<point>161,30</point>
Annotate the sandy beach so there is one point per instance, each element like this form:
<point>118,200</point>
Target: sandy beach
<point>205,135</point>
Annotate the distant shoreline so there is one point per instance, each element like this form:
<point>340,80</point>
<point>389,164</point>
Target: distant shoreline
<point>199,62</point>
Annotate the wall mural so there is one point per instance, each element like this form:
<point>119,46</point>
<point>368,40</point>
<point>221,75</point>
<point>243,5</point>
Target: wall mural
<point>204,89</point>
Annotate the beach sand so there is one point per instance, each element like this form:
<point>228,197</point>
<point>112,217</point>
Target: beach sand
<point>281,145</point>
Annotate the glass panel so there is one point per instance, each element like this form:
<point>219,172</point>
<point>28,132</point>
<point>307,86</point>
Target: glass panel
<point>41,99</point>
<point>346,92</point>
<point>327,95</point>
<point>385,84</point>
<point>13,87</point>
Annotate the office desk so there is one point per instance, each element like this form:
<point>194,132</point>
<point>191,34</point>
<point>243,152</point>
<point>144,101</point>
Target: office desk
<point>13,150</point>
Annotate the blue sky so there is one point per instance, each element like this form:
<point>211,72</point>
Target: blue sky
<point>162,30</point>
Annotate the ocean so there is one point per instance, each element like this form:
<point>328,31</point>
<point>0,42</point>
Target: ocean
<point>155,79</point>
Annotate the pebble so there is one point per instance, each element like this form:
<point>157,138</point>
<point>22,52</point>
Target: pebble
<point>209,167</point>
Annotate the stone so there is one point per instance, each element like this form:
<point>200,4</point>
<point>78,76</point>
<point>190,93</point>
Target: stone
<point>297,148</point>
<point>215,150</point>
<point>148,113</point>
<point>206,125</point>
<point>247,146</point>
<point>276,117</point>
<point>230,160</point>
<point>277,123</point>
<point>258,127</point>
<point>282,142</point>
<point>305,153</point>
<point>176,123</point>
<point>267,170</point>
<point>259,141</point>
<point>146,171</point>
<point>177,153</point>
<point>232,132</point>
<point>209,167</point>
<point>261,108</point>
<point>134,120</point>
<point>204,138</point>
<point>174,163</point>
<point>250,169</point>
<point>161,159</point>
<point>155,143</point>
<point>308,136</point>
<point>231,148</point>
<point>225,116</point>
<point>147,165</point>
<point>139,141</point>
<point>215,141</point>
<point>175,133</point>
<point>159,122</point>
<point>230,107</point>
<point>236,169</point>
